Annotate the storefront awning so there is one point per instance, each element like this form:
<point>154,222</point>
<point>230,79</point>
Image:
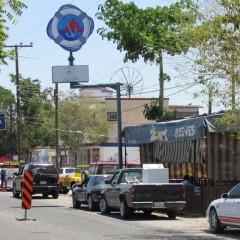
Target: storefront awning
<point>172,131</point>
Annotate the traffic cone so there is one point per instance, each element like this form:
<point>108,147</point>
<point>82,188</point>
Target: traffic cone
<point>4,189</point>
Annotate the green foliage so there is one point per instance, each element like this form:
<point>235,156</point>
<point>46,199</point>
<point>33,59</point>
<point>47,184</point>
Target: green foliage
<point>218,61</point>
<point>6,99</point>
<point>37,115</point>
<point>8,10</point>
<point>82,120</point>
<point>147,32</point>
<point>154,112</point>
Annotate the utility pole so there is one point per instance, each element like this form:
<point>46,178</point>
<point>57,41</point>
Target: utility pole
<point>18,95</point>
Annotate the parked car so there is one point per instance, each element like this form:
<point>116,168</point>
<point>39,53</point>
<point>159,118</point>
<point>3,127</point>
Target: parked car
<point>67,182</point>
<point>10,177</point>
<point>88,191</point>
<point>46,180</point>
<point>225,211</point>
<point>65,172</point>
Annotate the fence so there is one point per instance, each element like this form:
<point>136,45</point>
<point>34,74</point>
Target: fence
<point>199,197</point>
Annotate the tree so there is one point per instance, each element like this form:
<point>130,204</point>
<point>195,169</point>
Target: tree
<point>37,115</point>
<point>7,99</point>
<point>81,120</point>
<point>15,8</point>
<point>218,62</point>
<point>148,33</point>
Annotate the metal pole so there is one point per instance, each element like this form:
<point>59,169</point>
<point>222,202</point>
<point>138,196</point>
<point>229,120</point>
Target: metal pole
<point>18,96</point>
<point>56,124</point>
<point>119,126</point>
<point>11,158</point>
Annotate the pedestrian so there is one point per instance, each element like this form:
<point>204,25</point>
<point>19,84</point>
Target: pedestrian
<point>3,177</point>
<point>186,181</point>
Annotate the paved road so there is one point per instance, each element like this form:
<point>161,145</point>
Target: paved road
<point>56,219</point>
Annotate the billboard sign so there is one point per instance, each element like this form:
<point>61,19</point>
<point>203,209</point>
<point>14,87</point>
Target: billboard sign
<point>2,121</point>
<point>70,27</point>
<point>68,74</point>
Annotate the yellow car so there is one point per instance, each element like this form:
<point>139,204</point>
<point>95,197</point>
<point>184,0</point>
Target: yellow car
<point>79,175</point>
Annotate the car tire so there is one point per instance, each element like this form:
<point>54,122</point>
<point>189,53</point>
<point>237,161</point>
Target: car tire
<point>91,204</point>
<point>65,191</point>
<point>104,209</point>
<point>147,211</point>
<point>125,211</point>
<point>172,214</point>
<point>214,223</point>
<point>55,194</point>
<point>45,195</point>
<point>84,175</point>
<point>15,193</point>
<point>75,202</point>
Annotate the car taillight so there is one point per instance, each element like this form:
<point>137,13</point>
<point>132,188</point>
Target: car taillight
<point>183,192</point>
<point>58,179</point>
<point>133,192</point>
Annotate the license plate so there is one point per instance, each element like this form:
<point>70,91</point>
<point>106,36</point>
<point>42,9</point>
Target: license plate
<point>43,182</point>
<point>158,204</point>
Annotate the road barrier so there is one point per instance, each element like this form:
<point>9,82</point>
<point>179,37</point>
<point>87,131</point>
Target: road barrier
<point>27,190</point>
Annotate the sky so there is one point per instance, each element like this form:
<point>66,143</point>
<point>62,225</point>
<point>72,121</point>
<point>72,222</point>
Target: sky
<point>102,57</point>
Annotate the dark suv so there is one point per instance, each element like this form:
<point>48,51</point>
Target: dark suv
<point>46,180</point>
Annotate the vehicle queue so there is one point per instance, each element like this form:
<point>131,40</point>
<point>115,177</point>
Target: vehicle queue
<point>220,214</point>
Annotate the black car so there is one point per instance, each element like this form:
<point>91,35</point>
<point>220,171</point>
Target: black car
<point>46,180</point>
<point>88,191</point>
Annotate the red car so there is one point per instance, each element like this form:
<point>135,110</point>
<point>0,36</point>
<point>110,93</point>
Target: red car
<point>105,167</point>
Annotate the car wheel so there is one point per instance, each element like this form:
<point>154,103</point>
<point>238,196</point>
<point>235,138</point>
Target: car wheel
<point>55,194</point>
<point>104,209</point>
<point>65,191</point>
<point>84,175</point>
<point>45,195</point>
<point>125,211</point>
<point>214,223</point>
<point>147,211</point>
<point>15,193</point>
<point>75,202</point>
<point>172,214</point>
<point>91,204</point>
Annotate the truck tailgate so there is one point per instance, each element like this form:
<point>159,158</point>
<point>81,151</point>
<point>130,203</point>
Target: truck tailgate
<point>158,192</point>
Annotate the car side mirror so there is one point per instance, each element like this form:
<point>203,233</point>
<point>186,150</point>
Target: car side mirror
<point>224,195</point>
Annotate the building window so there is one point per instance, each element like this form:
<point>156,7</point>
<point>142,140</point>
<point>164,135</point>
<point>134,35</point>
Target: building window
<point>112,116</point>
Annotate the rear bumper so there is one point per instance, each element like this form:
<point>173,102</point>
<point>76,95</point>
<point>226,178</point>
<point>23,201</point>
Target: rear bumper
<point>45,189</point>
<point>176,205</point>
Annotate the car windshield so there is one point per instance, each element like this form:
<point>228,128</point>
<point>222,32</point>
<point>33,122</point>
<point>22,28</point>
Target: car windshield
<point>44,169</point>
<point>99,180</point>
<point>70,170</point>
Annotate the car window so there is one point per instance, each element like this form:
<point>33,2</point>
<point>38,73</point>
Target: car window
<point>98,180</point>
<point>115,177</point>
<point>70,170</point>
<point>109,169</point>
<point>235,192</point>
<point>44,169</point>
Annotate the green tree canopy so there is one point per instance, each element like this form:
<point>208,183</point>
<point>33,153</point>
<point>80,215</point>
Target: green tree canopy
<point>7,100</point>
<point>82,120</point>
<point>37,114</point>
<point>8,10</point>
<point>150,32</point>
